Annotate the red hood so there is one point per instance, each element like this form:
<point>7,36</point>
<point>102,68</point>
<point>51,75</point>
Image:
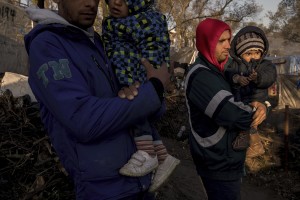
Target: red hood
<point>207,36</point>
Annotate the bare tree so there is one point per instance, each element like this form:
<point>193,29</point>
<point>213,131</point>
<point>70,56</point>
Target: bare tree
<point>286,20</point>
<point>279,18</point>
<point>291,30</point>
<point>184,15</point>
<point>41,3</point>
<point>102,12</point>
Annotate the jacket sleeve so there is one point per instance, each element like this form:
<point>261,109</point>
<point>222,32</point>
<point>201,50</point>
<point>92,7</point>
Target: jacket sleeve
<point>67,98</point>
<point>266,74</point>
<point>107,35</point>
<point>212,96</point>
<point>230,71</point>
<point>151,37</point>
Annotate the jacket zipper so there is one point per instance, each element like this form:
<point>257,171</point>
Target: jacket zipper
<point>109,78</point>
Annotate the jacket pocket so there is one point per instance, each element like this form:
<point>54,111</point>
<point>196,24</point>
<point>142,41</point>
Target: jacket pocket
<point>100,161</point>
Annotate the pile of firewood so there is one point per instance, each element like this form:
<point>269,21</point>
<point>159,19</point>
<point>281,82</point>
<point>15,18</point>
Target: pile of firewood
<point>279,167</point>
<point>29,168</point>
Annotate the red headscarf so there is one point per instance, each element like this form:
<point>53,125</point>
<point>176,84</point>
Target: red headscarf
<point>208,34</point>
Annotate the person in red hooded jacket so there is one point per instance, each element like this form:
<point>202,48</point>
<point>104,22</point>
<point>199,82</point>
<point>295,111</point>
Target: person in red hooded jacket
<point>215,118</point>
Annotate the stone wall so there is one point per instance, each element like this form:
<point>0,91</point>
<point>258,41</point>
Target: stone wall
<point>14,23</point>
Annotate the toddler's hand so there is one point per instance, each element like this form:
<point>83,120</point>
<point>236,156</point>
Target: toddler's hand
<point>242,80</point>
<point>253,76</point>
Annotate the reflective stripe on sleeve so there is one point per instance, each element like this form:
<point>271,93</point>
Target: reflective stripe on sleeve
<point>216,137</point>
<point>211,140</point>
<point>215,101</point>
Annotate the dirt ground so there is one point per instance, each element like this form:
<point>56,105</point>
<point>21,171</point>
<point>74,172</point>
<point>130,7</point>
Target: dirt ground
<point>29,168</point>
<point>185,184</point>
<point>272,176</point>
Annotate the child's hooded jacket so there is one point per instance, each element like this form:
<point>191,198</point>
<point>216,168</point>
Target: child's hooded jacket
<point>144,33</point>
<point>266,71</point>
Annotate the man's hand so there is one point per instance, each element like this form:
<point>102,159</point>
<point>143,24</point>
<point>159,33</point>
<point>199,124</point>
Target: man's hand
<point>162,73</point>
<point>260,113</point>
<point>129,92</point>
<point>243,80</point>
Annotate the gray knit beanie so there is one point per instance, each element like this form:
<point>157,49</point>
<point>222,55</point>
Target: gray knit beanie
<point>249,41</point>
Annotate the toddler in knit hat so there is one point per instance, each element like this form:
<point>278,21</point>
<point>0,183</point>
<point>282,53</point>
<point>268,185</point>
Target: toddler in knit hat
<point>249,47</point>
<point>250,76</point>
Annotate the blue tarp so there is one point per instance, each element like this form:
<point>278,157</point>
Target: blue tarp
<point>288,65</point>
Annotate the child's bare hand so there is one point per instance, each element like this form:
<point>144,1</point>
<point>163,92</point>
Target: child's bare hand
<point>252,76</point>
<point>242,80</point>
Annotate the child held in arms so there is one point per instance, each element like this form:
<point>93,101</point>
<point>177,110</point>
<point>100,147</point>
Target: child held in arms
<point>136,30</point>
<point>250,76</point>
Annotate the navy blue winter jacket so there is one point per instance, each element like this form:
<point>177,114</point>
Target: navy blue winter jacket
<point>87,123</point>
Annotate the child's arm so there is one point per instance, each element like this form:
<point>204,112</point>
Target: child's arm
<point>232,75</point>
<point>151,37</point>
<point>266,75</point>
<point>241,80</point>
<point>253,76</point>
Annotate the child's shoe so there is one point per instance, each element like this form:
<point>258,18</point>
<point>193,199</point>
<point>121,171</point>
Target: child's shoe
<point>140,164</point>
<point>163,172</point>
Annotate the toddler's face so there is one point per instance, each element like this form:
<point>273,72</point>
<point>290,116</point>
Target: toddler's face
<point>248,55</point>
<point>118,8</point>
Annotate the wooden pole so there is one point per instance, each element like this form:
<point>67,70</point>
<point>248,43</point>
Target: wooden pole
<point>41,3</point>
<point>286,136</point>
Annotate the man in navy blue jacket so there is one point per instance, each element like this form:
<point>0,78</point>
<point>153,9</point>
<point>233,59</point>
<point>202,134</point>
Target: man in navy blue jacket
<point>88,124</point>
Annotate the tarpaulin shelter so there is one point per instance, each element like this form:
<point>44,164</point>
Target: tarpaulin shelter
<point>288,70</point>
<point>185,55</point>
<point>288,65</point>
<point>288,92</point>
